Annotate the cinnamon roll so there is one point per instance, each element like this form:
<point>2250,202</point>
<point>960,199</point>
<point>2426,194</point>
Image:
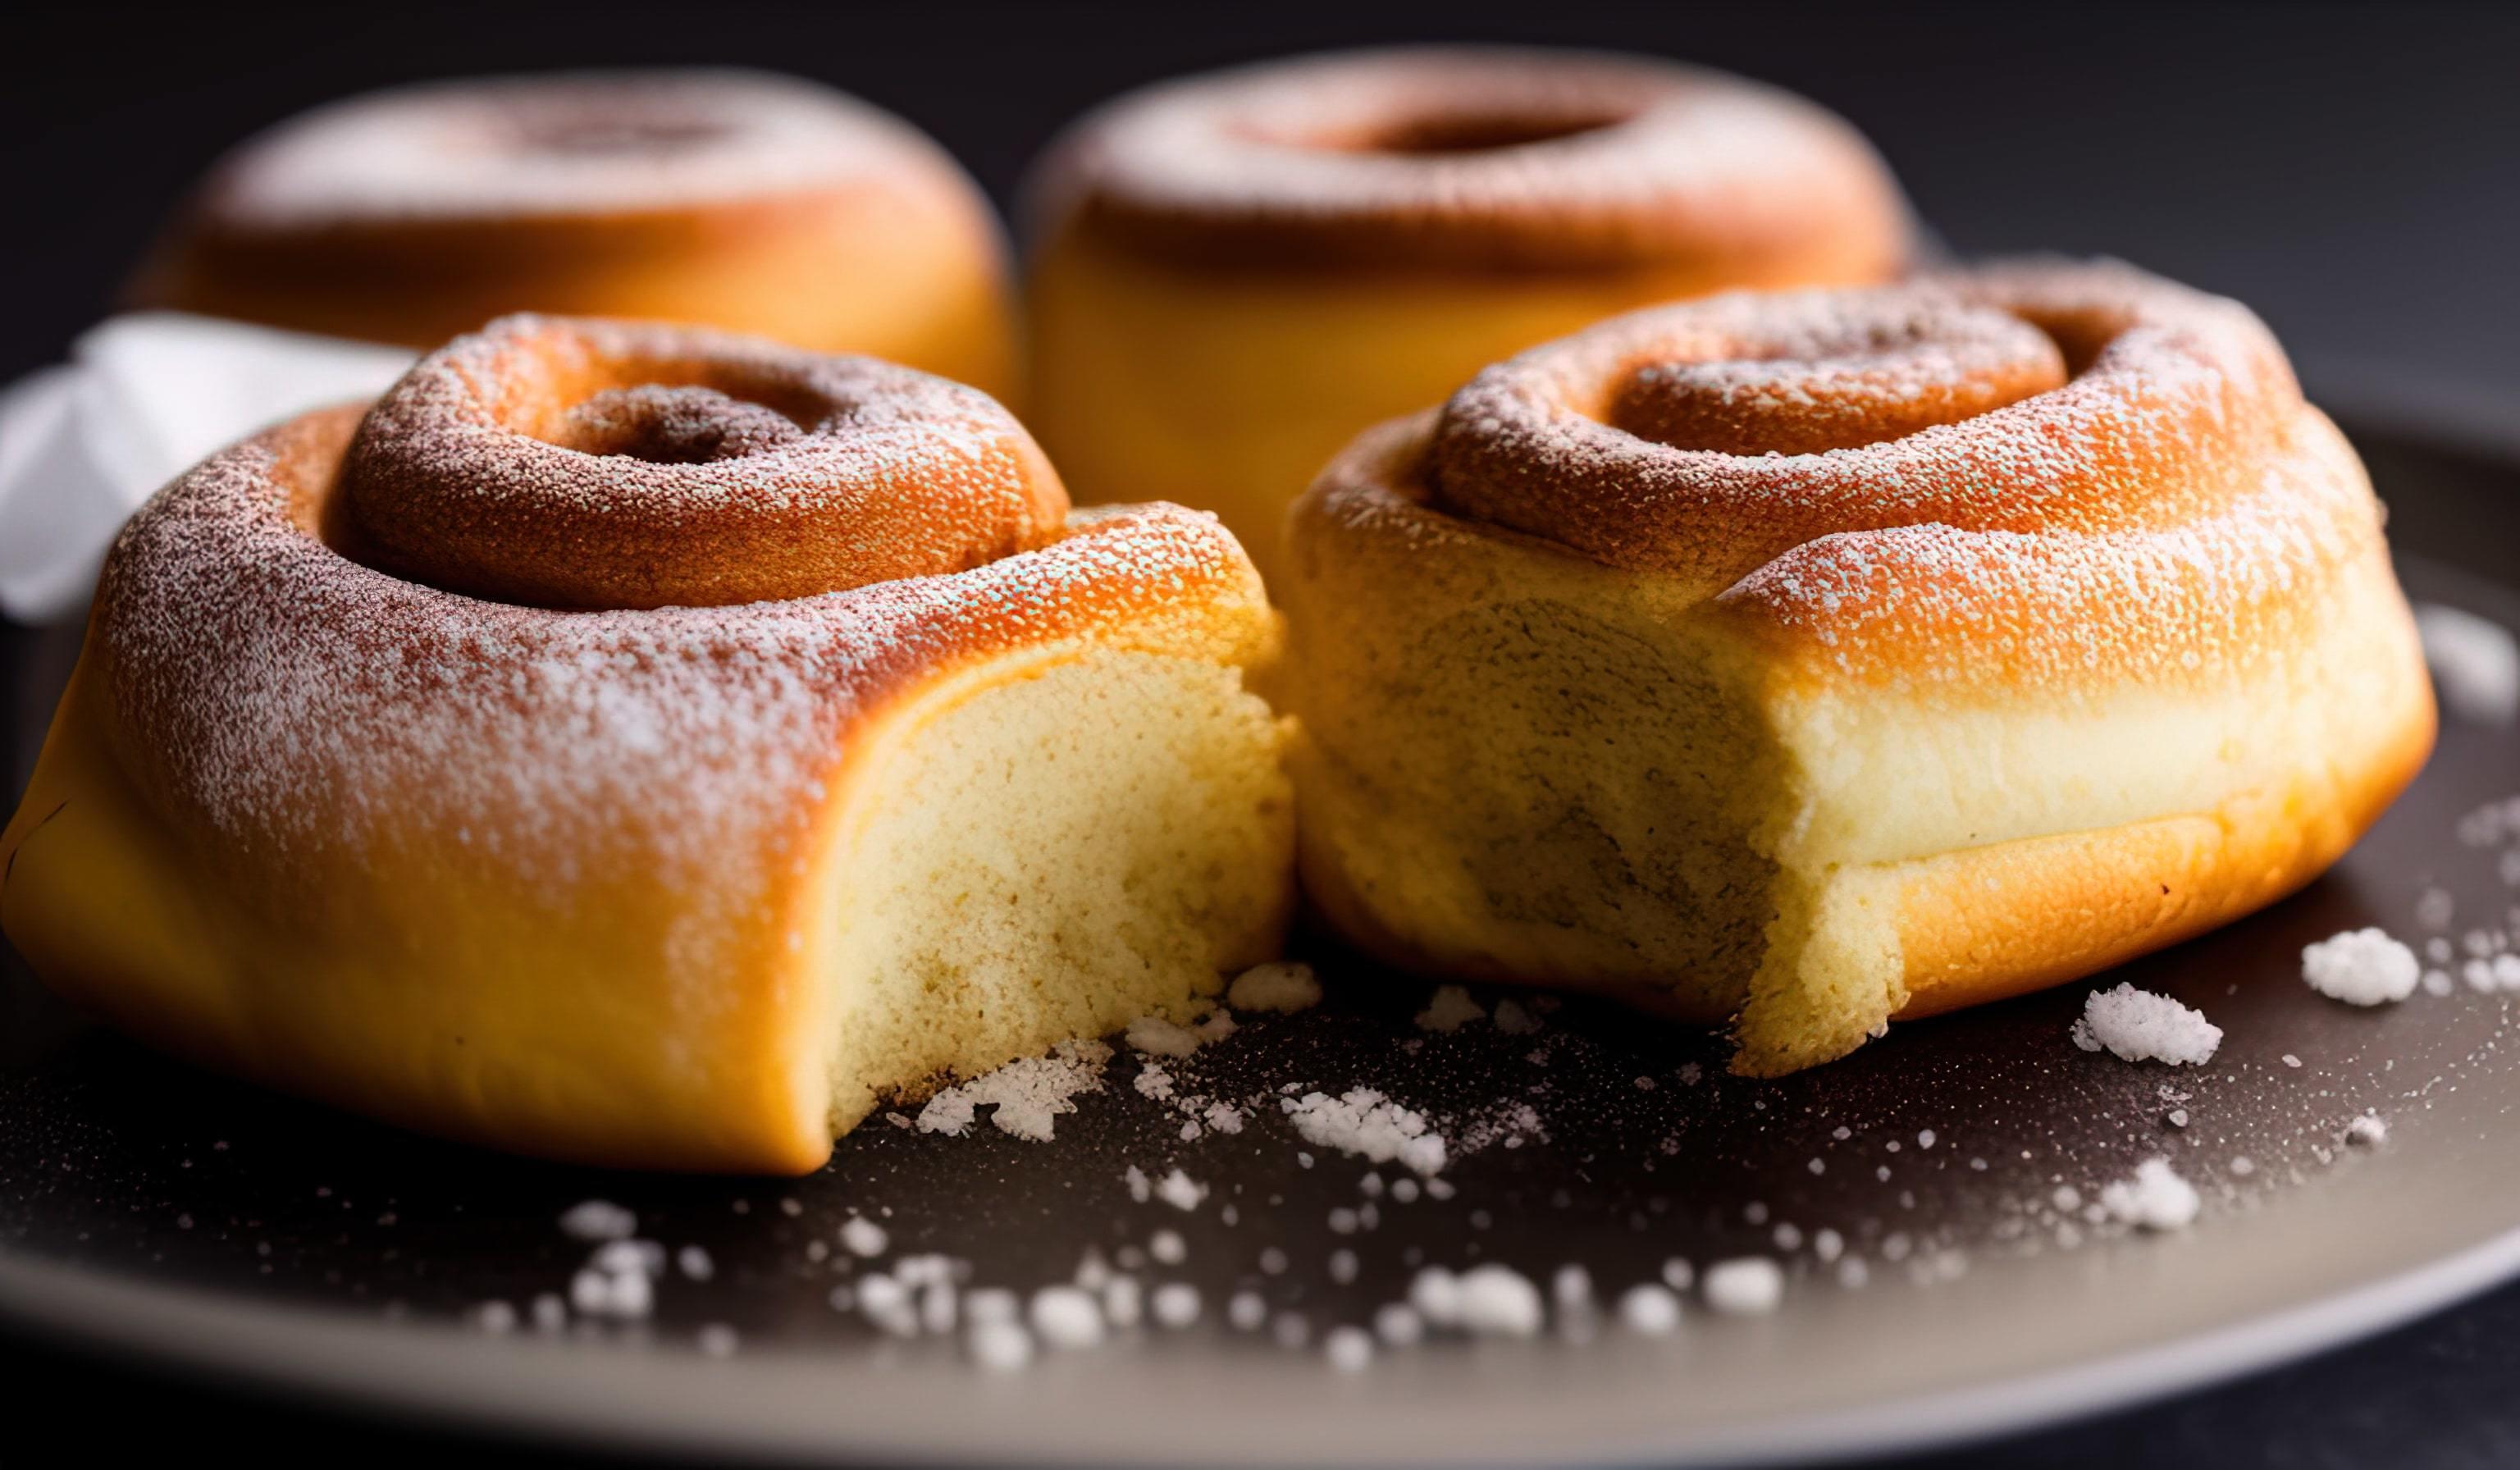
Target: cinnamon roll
<point>747,201</point>
<point>1238,273</point>
<point>1819,659</point>
<point>645,747</point>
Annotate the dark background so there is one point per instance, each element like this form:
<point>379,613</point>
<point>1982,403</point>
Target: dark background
<point>2351,172</point>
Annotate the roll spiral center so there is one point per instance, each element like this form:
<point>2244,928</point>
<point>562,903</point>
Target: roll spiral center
<point>1835,380</point>
<point>590,465</point>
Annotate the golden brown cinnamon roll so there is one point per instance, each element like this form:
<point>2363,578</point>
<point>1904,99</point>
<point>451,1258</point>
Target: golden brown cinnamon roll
<point>747,201</point>
<point>1239,272</point>
<point>650,747</point>
<point>1817,659</point>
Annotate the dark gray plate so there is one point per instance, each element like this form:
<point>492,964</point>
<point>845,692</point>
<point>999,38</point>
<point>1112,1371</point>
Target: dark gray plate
<point>151,1207</point>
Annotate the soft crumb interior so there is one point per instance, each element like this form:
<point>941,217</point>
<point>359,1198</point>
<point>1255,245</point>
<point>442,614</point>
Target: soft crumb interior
<point>1533,789</point>
<point>1050,858</point>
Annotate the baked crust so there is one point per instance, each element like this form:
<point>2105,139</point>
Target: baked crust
<point>1238,273</point>
<point>1479,159</point>
<point>564,880</point>
<point>746,200</point>
<point>2029,653</point>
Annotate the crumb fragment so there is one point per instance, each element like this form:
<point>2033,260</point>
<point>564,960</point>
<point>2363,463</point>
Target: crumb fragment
<point>863,1239</point>
<point>1159,1037</point>
<point>1285,986</point>
<point>1001,1347</point>
<point>1028,1096</point>
<point>2157,1198</point>
<point>1449,1009</point>
<point>1398,1324</point>
<point>2360,968</point>
<point>1066,1316</point>
<point>2138,1025</point>
<point>1176,1305</point>
<point>1350,1350</point>
<point>1181,1191</point>
<point>2475,663</point>
<point>1513,1018</point>
<point>1650,1310</point>
<point>1364,1122</point>
<point>1745,1286</point>
<point>1497,1301</point>
<point>598,1220</point>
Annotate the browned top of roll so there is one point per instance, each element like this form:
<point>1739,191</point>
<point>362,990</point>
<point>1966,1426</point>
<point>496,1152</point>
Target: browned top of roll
<point>2028,474</point>
<point>590,144</point>
<point>282,701</point>
<point>581,464</point>
<point>1474,157</point>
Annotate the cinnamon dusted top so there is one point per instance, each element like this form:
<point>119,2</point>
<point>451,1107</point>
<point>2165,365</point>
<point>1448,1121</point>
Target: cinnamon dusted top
<point>580,464</point>
<point>2028,473</point>
<point>1481,159</point>
<point>591,144</point>
<point>306,711</point>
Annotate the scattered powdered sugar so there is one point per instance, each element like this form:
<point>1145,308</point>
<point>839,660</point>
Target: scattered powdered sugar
<point>1398,1325</point>
<point>1350,1350</point>
<point>2361,967</point>
<point>2157,1198</point>
<point>1745,1286</point>
<point>1449,1009</point>
<point>1028,1094</point>
<point>1343,160</point>
<point>1301,1302</point>
<point>1157,1037</point>
<point>1284,986</point>
<point>618,1281</point>
<point>1181,1191</point>
<point>1176,1303</point>
<point>1493,1300</point>
<point>1650,1310</point>
<point>1002,1347</point>
<point>598,1220</point>
<point>1364,1122</point>
<point>1066,1316</point>
<point>2139,1025</point>
<point>597,142</point>
<point>863,1237</point>
<point>2475,663</point>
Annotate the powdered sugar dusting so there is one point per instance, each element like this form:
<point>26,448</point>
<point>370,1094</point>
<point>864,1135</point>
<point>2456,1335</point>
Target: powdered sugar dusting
<point>1481,157</point>
<point>2361,967</point>
<point>591,464</point>
<point>1028,1096</point>
<point>2138,1025</point>
<point>1362,1121</point>
<point>310,716</point>
<point>2475,663</point>
<point>2164,513</point>
<point>588,142</point>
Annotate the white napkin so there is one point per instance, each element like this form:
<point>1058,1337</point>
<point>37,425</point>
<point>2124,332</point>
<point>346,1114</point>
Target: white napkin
<point>143,398</point>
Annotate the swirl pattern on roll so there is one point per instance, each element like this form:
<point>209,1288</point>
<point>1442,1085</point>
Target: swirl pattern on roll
<point>1968,474</point>
<point>428,618</point>
<point>1481,159</point>
<point>608,465</point>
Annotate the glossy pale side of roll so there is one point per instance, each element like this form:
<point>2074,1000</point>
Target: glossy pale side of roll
<point>681,886</point>
<point>746,200</point>
<point>1819,658</point>
<point>1239,272</point>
